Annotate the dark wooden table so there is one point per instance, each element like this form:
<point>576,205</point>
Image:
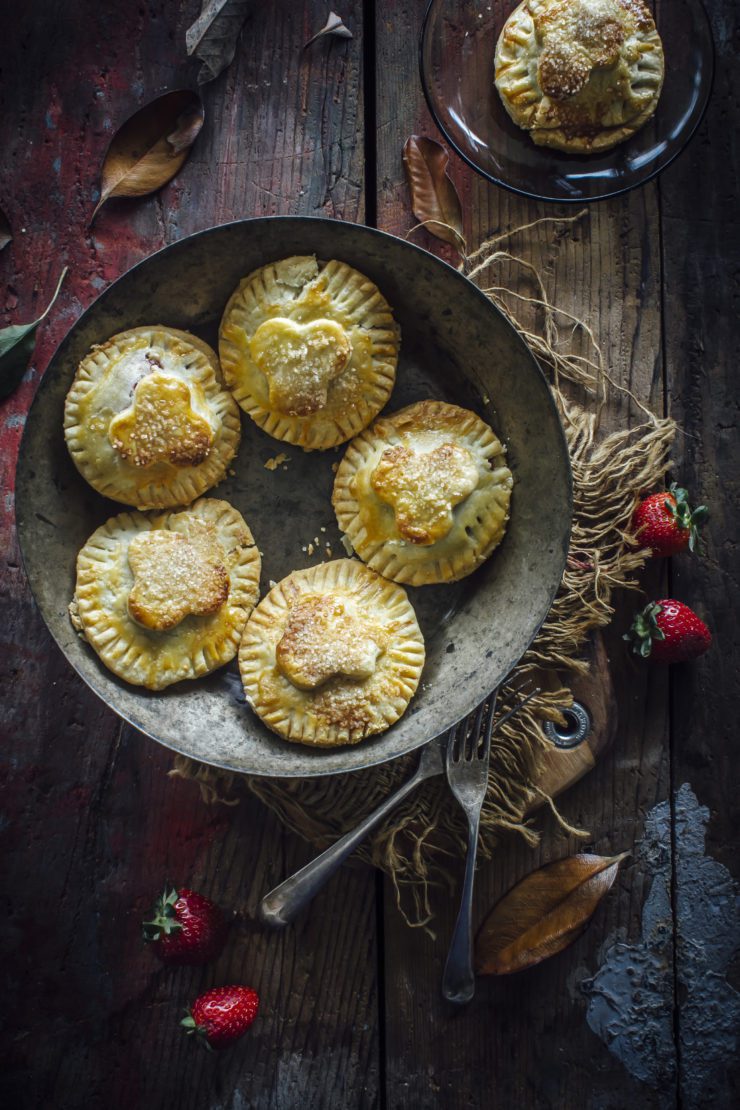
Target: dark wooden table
<point>91,824</point>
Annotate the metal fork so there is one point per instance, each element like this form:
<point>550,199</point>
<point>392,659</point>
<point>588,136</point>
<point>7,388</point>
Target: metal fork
<point>468,754</point>
<point>281,905</point>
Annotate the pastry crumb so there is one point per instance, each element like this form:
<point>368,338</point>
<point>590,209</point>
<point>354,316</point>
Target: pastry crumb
<point>278,460</point>
<point>335,467</point>
<point>310,549</point>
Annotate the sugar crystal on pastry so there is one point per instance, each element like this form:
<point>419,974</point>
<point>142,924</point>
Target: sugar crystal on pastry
<point>325,638</point>
<point>163,597</point>
<point>147,421</point>
<point>161,425</point>
<point>580,75</point>
<point>422,496</point>
<point>332,655</point>
<point>423,487</point>
<point>300,361</point>
<point>309,350</point>
<point>175,578</point>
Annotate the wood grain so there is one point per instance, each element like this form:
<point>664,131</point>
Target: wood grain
<point>542,1052</point>
<point>93,825</point>
<point>563,767</point>
<point>701,259</point>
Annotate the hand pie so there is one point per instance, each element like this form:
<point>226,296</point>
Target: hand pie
<point>309,350</point>
<point>331,655</point>
<point>164,596</point>
<point>147,421</point>
<point>580,75</point>
<point>423,495</point>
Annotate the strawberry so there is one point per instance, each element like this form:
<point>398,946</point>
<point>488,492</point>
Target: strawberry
<point>666,524</point>
<point>668,631</point>
<point>222,1015</point>
<point>186,928</point>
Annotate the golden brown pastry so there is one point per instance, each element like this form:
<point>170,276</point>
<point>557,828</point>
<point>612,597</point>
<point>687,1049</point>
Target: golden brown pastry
<point>147,420</point>
<point>580,75</point>
<point>423,495</point>
<point>164,596</point>
<point>309,350</point>
<point>331,655</point>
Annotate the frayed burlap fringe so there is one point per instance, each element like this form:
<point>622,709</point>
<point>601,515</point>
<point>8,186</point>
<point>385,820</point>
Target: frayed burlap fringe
<point>421,839</point>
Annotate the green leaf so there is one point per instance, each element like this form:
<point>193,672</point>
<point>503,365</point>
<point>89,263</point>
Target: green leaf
<point>165,917</point>
<point>17,343</point>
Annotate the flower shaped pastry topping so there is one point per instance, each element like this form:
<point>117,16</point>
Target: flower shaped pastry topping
<point>300,361</point>
<point>160,425</point>
<point>324,639</point>
<point>176,574</point>
<point>423,488</point>
<point>589,35</point>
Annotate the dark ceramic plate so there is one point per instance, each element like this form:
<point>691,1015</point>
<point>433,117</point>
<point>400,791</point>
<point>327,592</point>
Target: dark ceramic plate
<point>458,42</point>
<point>456,347</point>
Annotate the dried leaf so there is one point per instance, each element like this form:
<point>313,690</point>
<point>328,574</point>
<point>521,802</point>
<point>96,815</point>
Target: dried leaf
<point>544,913</point>
<point>150,147</point>
<point>214,35</point>
<point>6,233</point>
<point>16,347</point>
<point>434,198</point>
<point>333,26</point>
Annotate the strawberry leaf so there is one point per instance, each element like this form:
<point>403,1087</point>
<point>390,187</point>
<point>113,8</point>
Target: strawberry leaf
<point>17,344</point>
<point>685,517</point>
<point>644,630</point>
<point>164,920</point>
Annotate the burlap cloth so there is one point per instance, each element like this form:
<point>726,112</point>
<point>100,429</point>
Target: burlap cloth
<point>426,834</point>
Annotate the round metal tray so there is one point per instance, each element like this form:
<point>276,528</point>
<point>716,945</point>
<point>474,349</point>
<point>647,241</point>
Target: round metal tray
<point>456,347</point>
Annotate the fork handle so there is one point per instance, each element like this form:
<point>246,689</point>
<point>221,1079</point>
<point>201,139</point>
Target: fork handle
<point>458,981</point>
<point>284,902</point>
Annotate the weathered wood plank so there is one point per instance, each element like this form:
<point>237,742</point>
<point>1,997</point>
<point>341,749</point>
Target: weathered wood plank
<point>93,824</point>
<point>701,258</point>
<point>524,1042</point>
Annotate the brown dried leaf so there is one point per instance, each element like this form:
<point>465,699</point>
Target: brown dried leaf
<point>150,147</point>
<point>434,198</point>
<point>6,233</point>
<point>214,35</point>
<point>333,26</point>
<point>544,913</point>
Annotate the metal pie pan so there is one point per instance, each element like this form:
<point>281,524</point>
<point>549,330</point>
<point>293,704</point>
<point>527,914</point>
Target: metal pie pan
<point>455,347</point>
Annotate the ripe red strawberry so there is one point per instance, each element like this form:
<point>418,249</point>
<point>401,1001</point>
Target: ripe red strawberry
<point>186,928</point>
<point>222,1015</point>
<point>668,631</point>
<point>665,523</point>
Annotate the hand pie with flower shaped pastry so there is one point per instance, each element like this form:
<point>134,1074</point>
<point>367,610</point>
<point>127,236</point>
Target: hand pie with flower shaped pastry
<point>331,655</point>
<point>164,596</point>
<point>309,350</point>
<point>147,420</point>
<point>423,495</point>
<point>580,75</point>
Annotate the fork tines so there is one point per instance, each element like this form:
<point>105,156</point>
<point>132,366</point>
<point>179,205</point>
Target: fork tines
<point>472,731</point>
<point>471,737</point>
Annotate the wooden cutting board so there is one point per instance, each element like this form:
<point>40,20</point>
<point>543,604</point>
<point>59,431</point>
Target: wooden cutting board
<point>564,766</point>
